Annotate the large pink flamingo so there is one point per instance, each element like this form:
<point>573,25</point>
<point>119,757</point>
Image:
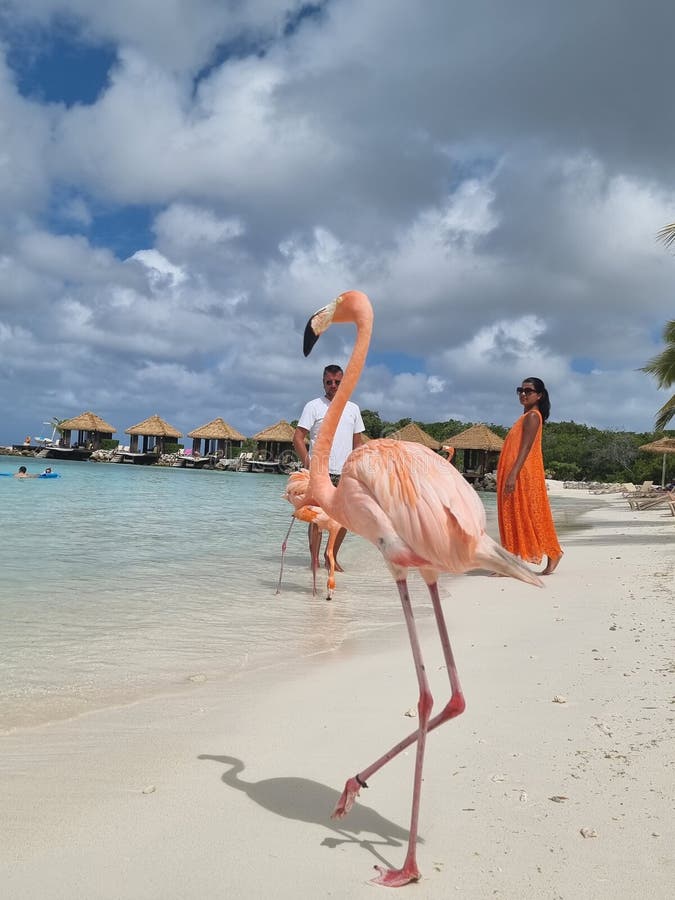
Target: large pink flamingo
<point>419,512</point>
<point>296,494</point>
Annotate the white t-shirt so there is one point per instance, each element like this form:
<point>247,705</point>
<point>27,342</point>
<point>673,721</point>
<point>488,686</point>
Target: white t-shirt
<point>350,424</point>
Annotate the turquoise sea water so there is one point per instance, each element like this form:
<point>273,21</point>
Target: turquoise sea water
<point>122,581</point>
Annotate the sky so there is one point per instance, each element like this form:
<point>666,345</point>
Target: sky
<point>184,182</point>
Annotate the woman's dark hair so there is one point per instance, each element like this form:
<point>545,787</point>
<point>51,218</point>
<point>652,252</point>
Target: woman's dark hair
<point>544,403</point>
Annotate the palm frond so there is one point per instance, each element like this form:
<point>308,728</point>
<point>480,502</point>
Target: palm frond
<point>665,414</point>
<point>667,235</point>
<point>662,366</point>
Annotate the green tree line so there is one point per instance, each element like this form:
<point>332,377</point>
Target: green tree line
<point>572,452</point>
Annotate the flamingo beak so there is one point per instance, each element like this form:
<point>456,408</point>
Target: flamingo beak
<point>318,323</point>
<point>309,339</point>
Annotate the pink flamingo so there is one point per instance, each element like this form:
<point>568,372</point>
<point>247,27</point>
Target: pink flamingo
<point>296,493</point>
<point>419,512</point>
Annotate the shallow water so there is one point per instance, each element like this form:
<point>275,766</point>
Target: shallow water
<point>122,581</point>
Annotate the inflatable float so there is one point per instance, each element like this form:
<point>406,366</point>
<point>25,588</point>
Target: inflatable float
<point>42,475</point>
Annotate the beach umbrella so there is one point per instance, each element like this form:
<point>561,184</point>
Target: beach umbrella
<point>664,445</point>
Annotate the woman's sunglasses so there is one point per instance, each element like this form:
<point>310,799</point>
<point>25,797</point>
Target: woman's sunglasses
<point>526,391</point>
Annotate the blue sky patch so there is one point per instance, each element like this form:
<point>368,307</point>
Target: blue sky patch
<point>55,65</point>
<point>396,362</point>
<point>123,230</point>
<point>582,364</point>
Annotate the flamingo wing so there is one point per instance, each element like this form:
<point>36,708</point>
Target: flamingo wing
<point>296,488</point>
<point>410,503</point>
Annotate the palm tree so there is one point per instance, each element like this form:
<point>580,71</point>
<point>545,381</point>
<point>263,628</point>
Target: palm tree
<point>662,367</point>
<point>55,422</point>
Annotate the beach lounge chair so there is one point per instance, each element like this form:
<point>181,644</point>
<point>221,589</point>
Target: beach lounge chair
<point>646,488</point>
<point>652,501</point>
<point>608,489</point>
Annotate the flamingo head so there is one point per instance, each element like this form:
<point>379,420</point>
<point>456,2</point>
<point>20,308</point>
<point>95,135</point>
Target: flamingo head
<point>342,309</point>
<point>318,323</point>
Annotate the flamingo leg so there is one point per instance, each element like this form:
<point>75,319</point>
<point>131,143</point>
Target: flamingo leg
<point>410,872</point>
<point>453,708</point>
<point>330,586</point>
<point>283,551</point>
<point>314,547</point>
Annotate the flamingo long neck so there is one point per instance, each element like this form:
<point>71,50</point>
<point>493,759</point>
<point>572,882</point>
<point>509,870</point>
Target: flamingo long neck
<point>321,487</point>
<point>232,777</point>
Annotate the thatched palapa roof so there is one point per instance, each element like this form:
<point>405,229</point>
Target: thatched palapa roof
<point>153,426</point>
<point>87,421</point>
<point>663,445</point>
<point>414,433</point>
<point>218,429</point>
<point>478,437</point>
<point>281,432</point>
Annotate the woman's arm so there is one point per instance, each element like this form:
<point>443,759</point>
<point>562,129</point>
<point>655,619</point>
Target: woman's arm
<point>530,429</point>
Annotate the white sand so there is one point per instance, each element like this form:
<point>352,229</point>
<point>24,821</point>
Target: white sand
<point>148,801</point>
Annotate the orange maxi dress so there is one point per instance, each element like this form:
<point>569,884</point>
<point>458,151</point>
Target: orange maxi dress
<point>525,522</point>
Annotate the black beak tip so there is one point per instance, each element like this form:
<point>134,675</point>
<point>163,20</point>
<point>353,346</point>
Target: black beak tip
<point>310,339</point>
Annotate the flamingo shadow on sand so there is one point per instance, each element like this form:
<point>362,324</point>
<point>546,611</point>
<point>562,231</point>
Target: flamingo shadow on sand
<point>308,801</point>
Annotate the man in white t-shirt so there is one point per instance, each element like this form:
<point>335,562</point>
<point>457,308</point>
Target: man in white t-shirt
<point>348,435</point>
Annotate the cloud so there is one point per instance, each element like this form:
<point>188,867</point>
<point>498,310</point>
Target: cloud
<point>174,34</point>
<point>494,183</point>
<point>24,143</point>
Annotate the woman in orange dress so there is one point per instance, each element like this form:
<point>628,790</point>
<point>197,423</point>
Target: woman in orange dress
<point>525,521</point>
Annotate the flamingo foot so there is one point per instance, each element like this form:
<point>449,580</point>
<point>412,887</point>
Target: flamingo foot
<point>346,801</point>
<point>397,877</point>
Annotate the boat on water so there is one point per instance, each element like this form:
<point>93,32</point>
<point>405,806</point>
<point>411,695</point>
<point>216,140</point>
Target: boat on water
<point>260,465</point>
<point>188,461</point>
<point>64,453</point>
<point>246,462</point>
<point>134,458</point>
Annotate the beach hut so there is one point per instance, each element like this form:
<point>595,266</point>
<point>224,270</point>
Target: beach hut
<point>413,432</point>
<point>275,442</point>
<point>218,437</point>
<point>156,433</point>
<point>664,445</point>
<point>90,428</point>
<point>481,448</point>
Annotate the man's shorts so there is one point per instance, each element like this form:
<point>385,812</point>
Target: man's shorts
<point>335,479</point>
